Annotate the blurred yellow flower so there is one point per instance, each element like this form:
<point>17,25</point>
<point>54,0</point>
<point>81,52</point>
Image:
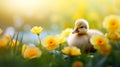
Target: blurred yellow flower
<point>3,42</point>
<point>112,23</point>
<point>14,43</point>
<point>61,39</point>
<point>24,47</point>
<point>98,41</point>
<point>66,50</point>
<point>66,32</point>
<point>32,52</point>
<point>77,64</point>
<point>1,31</point>
<point>113,36</point>
<point>50,42</point>
<point>101,44</point>
<point>106,50</point>
<point>36,30</point>
<point>73,51</point>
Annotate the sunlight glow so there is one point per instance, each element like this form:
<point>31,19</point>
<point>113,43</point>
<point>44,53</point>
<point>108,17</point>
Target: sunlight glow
<point>30,8</point>
<point>23,6</point>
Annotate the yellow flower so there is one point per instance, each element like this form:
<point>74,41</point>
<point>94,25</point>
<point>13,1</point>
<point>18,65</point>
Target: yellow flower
<point>66,32</point>
<point>14,43</point>
<point>112,23</point>
<point>61,39</point>
<point>24,47</point>
<point>73,51</point>
<point>106,50</point>
<point>3,42</point>
<point>1,31</point>
<point>36,30</point>
<point>32,52</point>
<point>66,50</point>
<point>113,36</point>
<point>50,42</point>
<point>101,44</point>
<point>77,64</point>
<point>98,41</point>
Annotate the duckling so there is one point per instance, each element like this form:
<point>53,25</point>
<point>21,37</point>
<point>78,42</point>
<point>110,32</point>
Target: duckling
<point>80,37</point>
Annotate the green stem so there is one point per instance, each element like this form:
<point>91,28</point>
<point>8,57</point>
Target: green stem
<point>39,41</point>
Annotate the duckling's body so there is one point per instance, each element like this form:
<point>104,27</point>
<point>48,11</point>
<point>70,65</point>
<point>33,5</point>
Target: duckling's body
<point>78,40</point>
<point>81,41</point>
<point>81,35</point>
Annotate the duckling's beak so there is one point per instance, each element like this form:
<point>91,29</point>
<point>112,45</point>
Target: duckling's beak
<point>75,31</point>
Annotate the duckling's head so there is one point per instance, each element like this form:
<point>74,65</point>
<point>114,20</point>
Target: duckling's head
<point>81,26</point>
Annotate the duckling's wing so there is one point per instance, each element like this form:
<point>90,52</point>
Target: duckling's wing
<point>94,32</point>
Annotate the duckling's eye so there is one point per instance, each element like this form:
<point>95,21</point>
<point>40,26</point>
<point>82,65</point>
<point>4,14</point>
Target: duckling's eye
<point>82,27</point>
